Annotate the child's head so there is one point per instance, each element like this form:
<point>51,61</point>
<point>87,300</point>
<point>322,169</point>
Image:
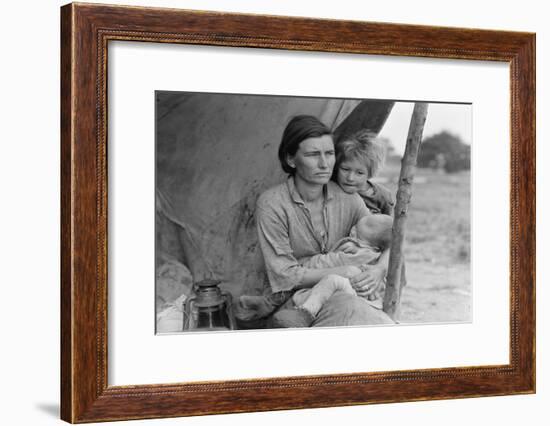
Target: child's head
<point>375,230</point>
<point>358,158</point>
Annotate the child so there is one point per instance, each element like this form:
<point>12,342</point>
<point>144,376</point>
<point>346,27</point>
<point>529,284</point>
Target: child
<point>358,159</point>
<point>371,237</point>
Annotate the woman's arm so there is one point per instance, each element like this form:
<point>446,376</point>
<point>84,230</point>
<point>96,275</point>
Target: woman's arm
<point>283,269</point>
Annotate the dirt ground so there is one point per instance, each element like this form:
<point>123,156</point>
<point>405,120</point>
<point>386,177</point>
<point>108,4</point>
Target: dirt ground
<point>437,246</point>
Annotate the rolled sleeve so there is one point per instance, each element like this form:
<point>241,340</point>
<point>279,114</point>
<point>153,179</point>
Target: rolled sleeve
<point>283,270</point>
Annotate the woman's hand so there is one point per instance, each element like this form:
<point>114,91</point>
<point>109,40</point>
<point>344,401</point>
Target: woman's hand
<point>369,280</point>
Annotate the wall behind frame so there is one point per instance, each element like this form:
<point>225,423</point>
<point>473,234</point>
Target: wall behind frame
<point>29,218</point>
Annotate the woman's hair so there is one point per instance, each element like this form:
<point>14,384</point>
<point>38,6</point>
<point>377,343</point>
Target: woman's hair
<point>299,128</point>
<point>363,146</point>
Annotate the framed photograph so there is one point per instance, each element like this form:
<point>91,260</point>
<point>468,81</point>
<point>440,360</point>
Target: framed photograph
<point>264,213</point>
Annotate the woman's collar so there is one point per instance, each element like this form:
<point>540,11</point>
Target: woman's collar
<point>328,191</point>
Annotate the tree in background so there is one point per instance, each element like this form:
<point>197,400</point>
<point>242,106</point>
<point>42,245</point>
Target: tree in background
<point>390,149</point>
<point>444,151</point>
<point>392,156</point>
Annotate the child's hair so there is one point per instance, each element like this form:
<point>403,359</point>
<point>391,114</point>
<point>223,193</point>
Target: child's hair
<point>364,146</point>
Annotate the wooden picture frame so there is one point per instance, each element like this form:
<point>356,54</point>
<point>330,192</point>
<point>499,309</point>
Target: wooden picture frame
<point>86,31</point>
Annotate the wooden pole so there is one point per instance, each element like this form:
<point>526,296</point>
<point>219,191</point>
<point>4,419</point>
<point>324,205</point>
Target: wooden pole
<point>392,294</point>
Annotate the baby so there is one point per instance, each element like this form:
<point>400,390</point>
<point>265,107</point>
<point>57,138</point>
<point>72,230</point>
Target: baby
<point>373,236</point>
<point>370,237</point>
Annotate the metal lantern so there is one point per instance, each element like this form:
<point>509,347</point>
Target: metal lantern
<point>210,309</point>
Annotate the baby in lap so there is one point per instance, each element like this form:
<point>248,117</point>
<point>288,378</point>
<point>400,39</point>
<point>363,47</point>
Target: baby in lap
<point>371,236</point>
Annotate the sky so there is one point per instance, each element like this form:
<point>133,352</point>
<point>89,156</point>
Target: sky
<point>455,118</point>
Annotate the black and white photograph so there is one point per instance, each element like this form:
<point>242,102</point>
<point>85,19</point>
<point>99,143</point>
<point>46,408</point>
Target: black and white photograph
<point>293,212</point>
<point>156,274</point>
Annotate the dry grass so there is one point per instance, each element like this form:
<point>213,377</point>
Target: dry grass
<point>437,246</point>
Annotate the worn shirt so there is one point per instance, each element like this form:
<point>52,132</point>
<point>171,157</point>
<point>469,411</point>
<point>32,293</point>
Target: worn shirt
<point>286,233</point>
<point>378,198</point>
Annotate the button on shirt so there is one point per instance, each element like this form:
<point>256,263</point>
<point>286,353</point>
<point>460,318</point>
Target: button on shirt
<point>286,233</point>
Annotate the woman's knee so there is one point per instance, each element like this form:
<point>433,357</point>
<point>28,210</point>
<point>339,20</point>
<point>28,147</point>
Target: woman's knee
<point>291,318</point>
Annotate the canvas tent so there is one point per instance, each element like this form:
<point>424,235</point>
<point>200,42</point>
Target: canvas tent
<point>215,153</point>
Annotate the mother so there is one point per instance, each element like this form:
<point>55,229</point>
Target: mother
<point>306,215</point>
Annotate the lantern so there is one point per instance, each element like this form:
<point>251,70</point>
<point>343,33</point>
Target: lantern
<point>210,309</point>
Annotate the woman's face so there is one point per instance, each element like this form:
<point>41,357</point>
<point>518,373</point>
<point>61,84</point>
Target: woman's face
<point>314,160</point>
<point>352,176</point>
